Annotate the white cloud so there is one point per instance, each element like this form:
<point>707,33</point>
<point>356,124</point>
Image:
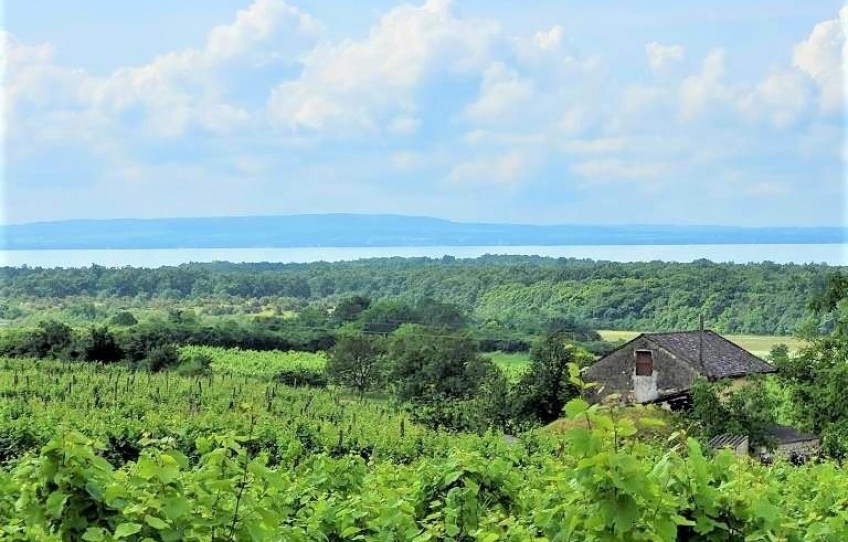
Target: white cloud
<point>517,105</point>
<point>30,77</point>
<point>262,22</point>
<point>823,56</point>
<point>165,97</point>
<point>699,92</point>
<point>250,165</point>
<point>405,160</point>
<point>185,88</point>
<point>358,83</point>
<point>613,169</point>
<point>660,57</point>
<point>502,92</point>
<point>547,40</point>
<point>575,119</point>
<point>512,139</point>
<point>594,146</point>
<point>637,99</point>
<point>782,98</point>
<point>403,125</point>
<point>504,169</point>
<point>765,189</point>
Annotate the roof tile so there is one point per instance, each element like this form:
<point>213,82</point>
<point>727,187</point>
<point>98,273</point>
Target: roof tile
<point>721,357</point>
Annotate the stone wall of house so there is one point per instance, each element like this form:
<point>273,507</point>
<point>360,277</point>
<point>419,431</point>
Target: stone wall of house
<point>645,387</point>
<point>616,373</point>
<point>804,448</point>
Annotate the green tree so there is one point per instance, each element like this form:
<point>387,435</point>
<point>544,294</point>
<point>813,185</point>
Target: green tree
<point>124,319</point>
<point>99,344</point>
<point>195,364</point>
<point>162,357</point>
<point>433,313</point>
<point>51,339</point>
<point>349,308</point>
<point>313,317</point>
<point>356,361</point>
<point>494,403</point>
<point>748,410</point>
<point>546,386</point>
<point>816,377</point>
<point>779,354</point>
<point>386,315</point>
<point>431,365</point>
<point>182,317</point>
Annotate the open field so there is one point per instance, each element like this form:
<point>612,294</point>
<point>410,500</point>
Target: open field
<point>759,345</point>
<point>512,364</point>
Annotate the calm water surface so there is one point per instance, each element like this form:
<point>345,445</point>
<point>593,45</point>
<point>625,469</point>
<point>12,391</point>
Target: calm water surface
<point>833,254</point>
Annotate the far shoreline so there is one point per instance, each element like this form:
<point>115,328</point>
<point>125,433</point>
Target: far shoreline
<point>834,254</point>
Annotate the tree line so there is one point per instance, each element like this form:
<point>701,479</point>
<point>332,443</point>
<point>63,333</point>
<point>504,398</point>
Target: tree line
<point>496,292</point>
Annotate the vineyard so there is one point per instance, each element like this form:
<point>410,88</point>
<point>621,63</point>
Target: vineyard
<point>268,363</point>
<point>99,453</point>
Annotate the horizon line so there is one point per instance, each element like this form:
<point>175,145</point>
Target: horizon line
<point>415,216</point>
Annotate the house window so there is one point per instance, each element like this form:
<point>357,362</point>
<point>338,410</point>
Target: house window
<point>644,363</point>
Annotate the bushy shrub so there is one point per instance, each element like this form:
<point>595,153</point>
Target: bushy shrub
<point>161,357</point>
<point>301,376</point>
<point>195,364</point>
<point>124,319</point>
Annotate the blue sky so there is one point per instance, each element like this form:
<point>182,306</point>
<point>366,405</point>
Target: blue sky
<point>697,112</point>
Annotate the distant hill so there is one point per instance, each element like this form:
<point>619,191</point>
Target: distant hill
<point>353,230</point>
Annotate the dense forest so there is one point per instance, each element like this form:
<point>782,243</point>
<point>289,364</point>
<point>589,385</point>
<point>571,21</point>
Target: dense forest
<point>496,292</point>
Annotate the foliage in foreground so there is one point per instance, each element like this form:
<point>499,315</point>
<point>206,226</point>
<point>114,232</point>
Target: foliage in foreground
<point>816,377</point>
<point>749,410</point>
<point>600,485</point>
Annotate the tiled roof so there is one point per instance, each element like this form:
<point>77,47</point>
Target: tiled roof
<point>721,358</point>
<point>785,434</point>
<point>726,440</point>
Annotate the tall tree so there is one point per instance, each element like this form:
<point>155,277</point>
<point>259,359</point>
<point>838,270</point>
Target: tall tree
<point>99,344</point>
<point>431,364</point>
<point>546,386</point>
<point>349,308</point>
<point>356,361</point>
<point>386,315</point>
<point>51,339</point>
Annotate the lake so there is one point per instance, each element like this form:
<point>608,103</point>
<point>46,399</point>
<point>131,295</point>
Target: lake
<point>833,254</point>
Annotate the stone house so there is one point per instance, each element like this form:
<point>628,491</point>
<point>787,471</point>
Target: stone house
<point>787,442</point>
<point>792,444</point>
<point>661,367</point>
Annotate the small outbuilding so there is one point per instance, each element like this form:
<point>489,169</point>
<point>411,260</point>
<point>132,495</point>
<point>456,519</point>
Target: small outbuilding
<point>788,442</point>
<point>661,367</point>
<point>793,444</point>
<point>738,444</point>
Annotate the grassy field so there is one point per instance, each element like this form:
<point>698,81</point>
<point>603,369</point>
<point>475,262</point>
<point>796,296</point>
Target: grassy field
<point>759,345</point>
<point>512,364</point>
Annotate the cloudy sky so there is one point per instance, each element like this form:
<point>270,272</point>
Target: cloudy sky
<point>696,112</point>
